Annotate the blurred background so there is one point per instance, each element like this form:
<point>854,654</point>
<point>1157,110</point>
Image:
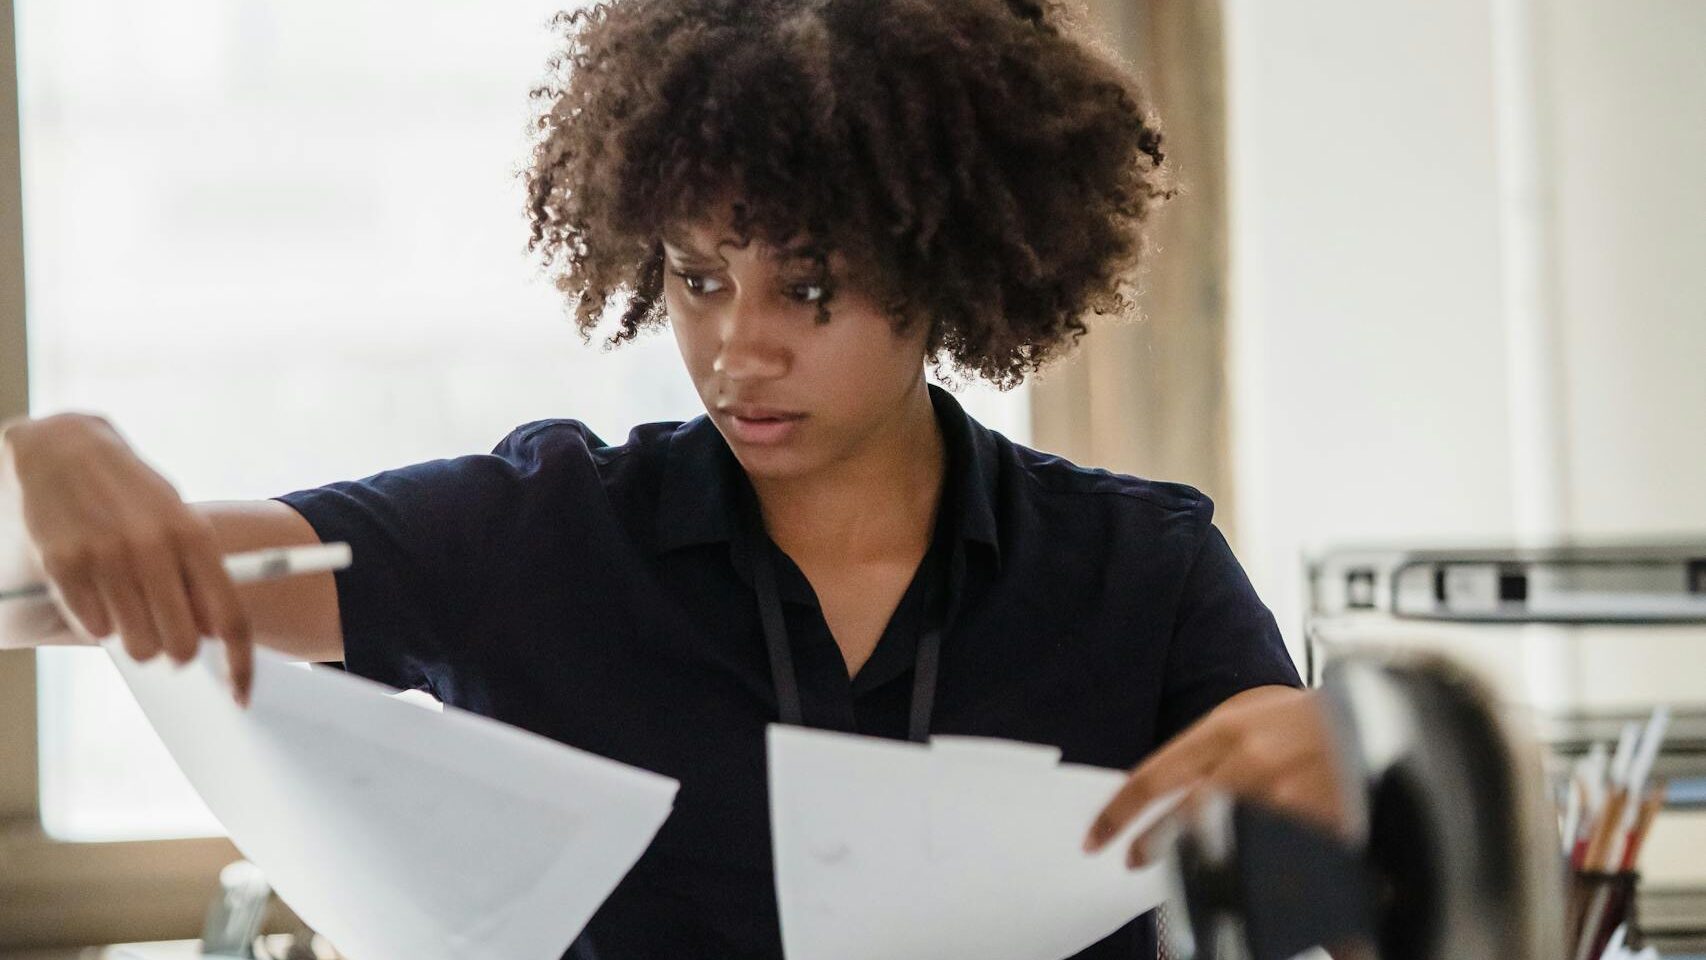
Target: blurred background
<point>1432,279</point>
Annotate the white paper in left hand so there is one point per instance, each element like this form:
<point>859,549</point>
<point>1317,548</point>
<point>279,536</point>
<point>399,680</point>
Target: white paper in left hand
<point>963,848</point>
<point>397,831</point>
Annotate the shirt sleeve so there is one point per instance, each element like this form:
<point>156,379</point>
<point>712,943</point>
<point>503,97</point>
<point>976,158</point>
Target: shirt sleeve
<point>1225,640</point>
<point>420,538</point>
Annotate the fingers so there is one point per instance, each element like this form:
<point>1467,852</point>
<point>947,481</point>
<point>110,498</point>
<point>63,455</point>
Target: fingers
<point>162,586</point>
<point>218,611</point>
<point>1287,763</point>
<point>1180,763</point>
<point>121,551</point>
<point>1141,851</point>
<point>83,601</point>
<point>1247,765</point>
<point>1293,793</point>
<point>167,597</point>
<point>222,615</point>
<point>135,624</point>
<point>1258,760</point>
<point>1267,746</point>
<point>1317,799</point>
<point>80,599</point>
<point>241,657</point>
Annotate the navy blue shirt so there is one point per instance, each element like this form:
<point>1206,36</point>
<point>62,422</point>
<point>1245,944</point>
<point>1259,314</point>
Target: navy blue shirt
<point>602,595</point>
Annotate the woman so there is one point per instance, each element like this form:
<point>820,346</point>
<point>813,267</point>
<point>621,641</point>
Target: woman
<point>819,197</point>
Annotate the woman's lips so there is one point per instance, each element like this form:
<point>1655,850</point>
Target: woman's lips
<point>762,427</point>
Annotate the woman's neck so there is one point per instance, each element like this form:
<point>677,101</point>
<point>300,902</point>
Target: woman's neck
<point>879,502</point>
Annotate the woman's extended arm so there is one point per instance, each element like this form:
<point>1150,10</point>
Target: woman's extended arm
<point>124,554</point>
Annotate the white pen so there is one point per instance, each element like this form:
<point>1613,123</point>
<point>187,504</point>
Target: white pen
<point>1624,755</point>
<point>272,563</point>
<point>1641,767</point>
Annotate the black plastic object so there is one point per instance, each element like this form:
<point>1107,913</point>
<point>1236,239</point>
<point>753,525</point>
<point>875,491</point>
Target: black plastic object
<point>1285,886</point>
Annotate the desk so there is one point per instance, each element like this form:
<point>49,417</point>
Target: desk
<point>162,950</point>
<point>186,950</point>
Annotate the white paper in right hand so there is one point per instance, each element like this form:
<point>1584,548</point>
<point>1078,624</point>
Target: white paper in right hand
<point>397,831</point>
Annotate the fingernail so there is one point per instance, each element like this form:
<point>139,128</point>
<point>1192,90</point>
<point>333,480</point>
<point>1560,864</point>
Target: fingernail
<point>1096,837</point>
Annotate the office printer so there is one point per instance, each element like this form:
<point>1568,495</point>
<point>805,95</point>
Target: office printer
<point>1569,643</point>
<point>1453,853</point>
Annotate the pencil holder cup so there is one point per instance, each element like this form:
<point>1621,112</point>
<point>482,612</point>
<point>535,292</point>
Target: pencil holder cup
<point>1600,902</point>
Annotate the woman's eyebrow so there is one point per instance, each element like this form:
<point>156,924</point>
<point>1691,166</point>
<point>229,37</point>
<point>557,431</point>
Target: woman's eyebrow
<point>687,251</point>
<point>692,255</point>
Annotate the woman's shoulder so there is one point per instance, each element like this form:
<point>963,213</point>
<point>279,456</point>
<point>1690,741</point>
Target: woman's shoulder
<point>554,458</point>
<point>1057,506</point>
<point>559,450</point>
<point>560,436</point>
<point>1050,476</point>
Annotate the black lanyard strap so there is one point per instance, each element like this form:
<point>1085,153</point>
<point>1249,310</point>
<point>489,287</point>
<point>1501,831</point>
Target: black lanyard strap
<point>924,671</point>
<point>927,658</point>
<point>775,631</point>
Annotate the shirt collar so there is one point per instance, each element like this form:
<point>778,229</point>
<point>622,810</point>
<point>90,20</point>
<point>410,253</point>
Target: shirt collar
<point>700,499</point>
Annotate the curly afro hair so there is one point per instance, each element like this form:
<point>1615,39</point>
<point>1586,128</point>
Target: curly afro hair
<point>979,165</point>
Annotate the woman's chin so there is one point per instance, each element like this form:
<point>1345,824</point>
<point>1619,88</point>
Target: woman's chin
<point>763,462</point>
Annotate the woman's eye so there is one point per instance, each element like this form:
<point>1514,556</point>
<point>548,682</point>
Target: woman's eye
<point>696,283</point>
<point>700,285</point>
<point>807,292</point>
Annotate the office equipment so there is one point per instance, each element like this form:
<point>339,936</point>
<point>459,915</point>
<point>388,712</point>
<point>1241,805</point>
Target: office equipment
<point>1621,583</point>
<point>1584,640</point>
<point>272,563</point>
<point>1456,855</point>
<point>235,918</point>
<point>396,831</point>
<point>1609,810</point>
<point>963,847</point>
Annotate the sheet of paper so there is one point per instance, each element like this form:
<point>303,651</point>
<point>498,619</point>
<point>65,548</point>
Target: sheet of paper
<point>399,831</point>
<point>963,848</point>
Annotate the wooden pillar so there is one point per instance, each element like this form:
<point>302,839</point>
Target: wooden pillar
<point>1151,397</point>
<point>18,792</point>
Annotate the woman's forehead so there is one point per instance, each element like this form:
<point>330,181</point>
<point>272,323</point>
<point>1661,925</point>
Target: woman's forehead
<point>708,236</point>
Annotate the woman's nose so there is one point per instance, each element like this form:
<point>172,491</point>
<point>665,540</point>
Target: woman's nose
<point>749,347</point>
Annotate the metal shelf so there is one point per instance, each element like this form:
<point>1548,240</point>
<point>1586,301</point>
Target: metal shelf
<point>1625,583</point>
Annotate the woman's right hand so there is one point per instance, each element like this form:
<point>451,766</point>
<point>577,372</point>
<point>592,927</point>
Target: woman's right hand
<point>120,549</point>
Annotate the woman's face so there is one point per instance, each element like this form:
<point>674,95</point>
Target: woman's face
<point>790,395</point>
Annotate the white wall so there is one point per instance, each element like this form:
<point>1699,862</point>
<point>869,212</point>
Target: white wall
<point>1377,276</point>
<point>1628,82</point>
<point>1368,355</point>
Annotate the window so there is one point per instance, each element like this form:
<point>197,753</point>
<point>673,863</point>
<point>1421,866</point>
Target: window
<point>280,243</point>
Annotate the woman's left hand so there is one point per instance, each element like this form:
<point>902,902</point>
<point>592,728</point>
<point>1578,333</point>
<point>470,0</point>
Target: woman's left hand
<point>1269,745</point>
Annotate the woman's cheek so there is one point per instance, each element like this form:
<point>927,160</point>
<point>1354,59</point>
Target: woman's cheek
<point>685,324</point>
